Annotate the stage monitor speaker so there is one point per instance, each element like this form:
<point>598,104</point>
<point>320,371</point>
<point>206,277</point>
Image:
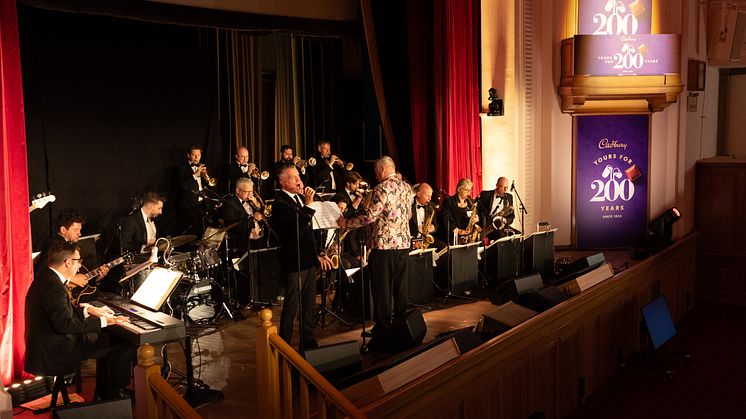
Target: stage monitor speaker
<point>466,339</point>
<point>354,298</point>
<point>543,299</point>
<point>403,334</point>
<point>502,319</point>
<point>725,42</point>
<point>579,267</point>
<point>109,409</point>
<point>337,360</point>
<point>509,290</point>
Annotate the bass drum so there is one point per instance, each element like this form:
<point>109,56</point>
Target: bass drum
<point>199,301</point>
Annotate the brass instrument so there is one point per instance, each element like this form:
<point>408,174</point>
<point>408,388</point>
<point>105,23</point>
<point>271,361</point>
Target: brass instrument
<point>210,180</point>
<point>263,175</point>
<point>497,220</point>
<point>305,163</point>
<point>472,229</point>
<point>333,250</point>
<point>339,162</point>
<point>266,209</point>
<point>428,238</point>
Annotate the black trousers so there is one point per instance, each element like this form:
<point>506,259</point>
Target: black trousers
<point>389,278</point>
<point>307,298</point>
<point>114,359</point>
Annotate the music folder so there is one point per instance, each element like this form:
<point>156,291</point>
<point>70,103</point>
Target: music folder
<point>156,288</point>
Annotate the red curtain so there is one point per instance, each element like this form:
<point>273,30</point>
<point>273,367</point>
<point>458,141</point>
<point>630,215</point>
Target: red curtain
<point>15,234</point>
<point>445,111</point>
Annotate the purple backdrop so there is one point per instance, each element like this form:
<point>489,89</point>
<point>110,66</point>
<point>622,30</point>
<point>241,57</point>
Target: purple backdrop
<point>611,180</point>
<point>612,17</point>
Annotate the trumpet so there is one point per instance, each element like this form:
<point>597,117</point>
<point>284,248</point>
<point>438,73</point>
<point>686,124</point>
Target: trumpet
<point>210,180</point>
<point>263,175</point>
<point>310,162</point>
<point>339,162</point>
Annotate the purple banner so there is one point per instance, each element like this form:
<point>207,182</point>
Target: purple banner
<point>612,17</point>
<point>611,180</point>
<point>626,55</point>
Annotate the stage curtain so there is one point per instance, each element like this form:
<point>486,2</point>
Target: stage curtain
<point>456,89</point>
<point>15,233</point>
<point>287,101</point>
<point>419,29</point>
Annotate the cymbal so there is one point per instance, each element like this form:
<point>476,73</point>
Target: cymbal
<point>177,241</point>
<point>222,230</point>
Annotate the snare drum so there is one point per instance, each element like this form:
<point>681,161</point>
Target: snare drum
<point>208,258</point>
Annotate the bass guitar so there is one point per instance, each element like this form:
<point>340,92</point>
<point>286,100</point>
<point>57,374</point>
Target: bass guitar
<point>86,293</point>
<point>41,201</point>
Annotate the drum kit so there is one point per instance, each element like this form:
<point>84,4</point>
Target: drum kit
<point>198,296</point>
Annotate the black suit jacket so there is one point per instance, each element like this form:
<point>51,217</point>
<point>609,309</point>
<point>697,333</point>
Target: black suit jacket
<point>413,227</point>
<point>56,332</point>
<point>41,261</point>
<point>234,173</point>
<point>284,212</point>
<point>134,233</point>
<point>322,175</point>
<point>485,206</point>
<point>343,196</point>
<point>231,212</point>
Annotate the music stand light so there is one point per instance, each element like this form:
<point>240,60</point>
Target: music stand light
<point>661,226</point>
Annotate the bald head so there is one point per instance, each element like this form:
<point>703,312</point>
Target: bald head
<point>424,193</point>
<point>501,186</point>
<point>242,155</point>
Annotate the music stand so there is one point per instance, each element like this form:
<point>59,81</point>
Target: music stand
<point>421,277</point>
<point>501,259</point>
<point>463,272</point>
<point>157,287</point>
<point>538,253</point>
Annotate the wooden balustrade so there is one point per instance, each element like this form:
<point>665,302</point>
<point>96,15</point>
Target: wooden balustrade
<point>154,396</point>
<point>282,374</point>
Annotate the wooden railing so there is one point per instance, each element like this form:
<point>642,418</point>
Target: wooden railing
<point>154,397</point>
<point>282,374</point>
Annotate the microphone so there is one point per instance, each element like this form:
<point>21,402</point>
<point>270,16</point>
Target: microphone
<point>512,186</point>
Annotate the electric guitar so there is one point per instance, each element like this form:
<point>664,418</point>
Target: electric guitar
<point>90,289</point>
<point>41,201</point>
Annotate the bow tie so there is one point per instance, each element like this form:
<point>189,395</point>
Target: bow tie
<point>244,165</point>
<point>194,164</point>
<point>421,206</point>
<point>150,220</point>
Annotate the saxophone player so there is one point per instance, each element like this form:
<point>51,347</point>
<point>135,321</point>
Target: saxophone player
<point>496,207</point>
<point>458,210</point>
<point>423,212</point>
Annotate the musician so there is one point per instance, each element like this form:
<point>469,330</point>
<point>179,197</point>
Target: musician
<point>388,214</point>
<point>138,230</point>
<point>423,210</point>
<point>328,172</point>
<point>241,167</point>
<point>492,205</point>
<point>351,195</point>
<point>59,335</point>
<point>291,202</point>
<point>457,210</point>
<point>68,229</point>
<point>244,207</point>
<point>287,156</point>
<point>193,188</point>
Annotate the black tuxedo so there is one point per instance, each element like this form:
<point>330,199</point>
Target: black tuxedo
<point>452,216</point>
<point>322,175</point>
<point>284,212</point>
<point>414,228</point>
<point>235,172</point>
<point>134,233</point>
<point>59,337</point>
<point>485,207</point>
<point>192,210</point>
<point>343,196</point>
<point>41,261</point>
<point>277,166</point>
<point>232,212</point>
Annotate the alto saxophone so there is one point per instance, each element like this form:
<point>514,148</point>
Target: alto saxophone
<point>428,239</point>
<point>472,229</point>
<point>333,250</point>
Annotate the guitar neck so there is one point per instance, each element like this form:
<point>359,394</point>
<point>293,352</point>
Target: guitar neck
<point>96,272</point>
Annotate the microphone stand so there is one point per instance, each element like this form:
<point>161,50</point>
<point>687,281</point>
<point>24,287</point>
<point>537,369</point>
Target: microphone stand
<point>523,213</point>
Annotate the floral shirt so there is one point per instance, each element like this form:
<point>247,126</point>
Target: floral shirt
<point>388,215</point>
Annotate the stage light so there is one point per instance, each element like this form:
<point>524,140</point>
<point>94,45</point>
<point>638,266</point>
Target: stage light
<point>661,226</point>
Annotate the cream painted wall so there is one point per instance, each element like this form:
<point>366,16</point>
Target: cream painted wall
<point>678,138</point>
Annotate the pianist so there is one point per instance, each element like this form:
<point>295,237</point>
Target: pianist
<point>60,335</point>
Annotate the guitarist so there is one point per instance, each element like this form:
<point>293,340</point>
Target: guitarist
<point>69,225</point>
<point>491,203</point>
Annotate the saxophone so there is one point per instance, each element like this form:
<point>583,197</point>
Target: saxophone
<point>428,238</point>
<point>333,250</point>
<point>472,229</point>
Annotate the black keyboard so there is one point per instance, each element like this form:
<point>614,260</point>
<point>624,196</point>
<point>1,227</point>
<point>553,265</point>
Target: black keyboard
<point>145,326</point>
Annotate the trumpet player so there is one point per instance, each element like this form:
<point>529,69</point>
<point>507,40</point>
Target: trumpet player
<point>351,195</point>
<point>241,167</point>
<point>287,156</point>
<point>499,203</point>
<point>193,182</point>
<point>329,171</point>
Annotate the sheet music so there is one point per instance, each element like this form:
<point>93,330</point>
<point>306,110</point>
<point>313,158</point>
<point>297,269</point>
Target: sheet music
<point>156,288</point>
<point>326,216</point>
<point>536,233</point>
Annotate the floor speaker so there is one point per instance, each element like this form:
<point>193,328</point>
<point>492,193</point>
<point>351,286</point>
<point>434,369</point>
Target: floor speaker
<point>109,409</point>
<point>502,319</point>
<point>543,299</point>
<point>337,360</point>
<point>403,334</point>
<point>579,267</point>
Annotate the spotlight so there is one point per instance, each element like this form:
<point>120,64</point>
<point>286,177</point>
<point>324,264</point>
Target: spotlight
<point>496,104</point>
<point>661,226</point>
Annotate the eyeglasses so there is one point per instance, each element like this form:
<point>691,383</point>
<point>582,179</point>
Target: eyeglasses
<point>75,260</point>
<point>246,191</point>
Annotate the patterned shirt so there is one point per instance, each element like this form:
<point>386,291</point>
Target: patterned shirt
<point>388,214</point>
